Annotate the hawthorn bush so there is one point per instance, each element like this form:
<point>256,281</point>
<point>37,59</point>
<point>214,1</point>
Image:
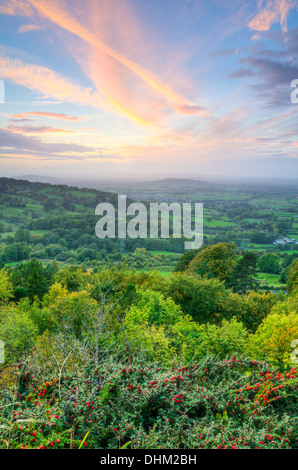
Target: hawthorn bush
<point>217,403</point>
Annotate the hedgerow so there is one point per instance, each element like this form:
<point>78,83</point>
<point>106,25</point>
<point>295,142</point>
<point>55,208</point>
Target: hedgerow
<point>216,403</point>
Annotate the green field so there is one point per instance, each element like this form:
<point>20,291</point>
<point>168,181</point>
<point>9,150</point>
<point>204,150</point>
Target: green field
<point>270,280</point>
<point>32,233</point>
<point>163,252</point>
<point>232,213</point>
<point>165,271</point>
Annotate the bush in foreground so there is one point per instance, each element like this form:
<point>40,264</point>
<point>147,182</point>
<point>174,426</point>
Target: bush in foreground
<point>232,403</point>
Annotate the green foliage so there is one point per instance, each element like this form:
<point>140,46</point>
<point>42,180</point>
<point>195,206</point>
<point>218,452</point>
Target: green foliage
<point>33,278</point>
<point>102,354</point>
<point>226,404</point>
<point>72,277</point>
<point>22,235</point>
<point>251,308</point>
<point>184,260</point>
<point>158,327</point>
<point>243,278</point>
<point>72,313</point>
<point>16,252</point>
<point>5,286</point>
<point>273,338</point>
<point>198,297</point>
<point>17,331</point>
<point>289,304</point>
<point>225,340</point>
<point>214,261</point>
<point>292,278</point>
<point>269,263</point>
<point>41,317</point>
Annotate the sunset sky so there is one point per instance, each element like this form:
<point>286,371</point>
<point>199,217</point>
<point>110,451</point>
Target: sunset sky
<point>148,88</point>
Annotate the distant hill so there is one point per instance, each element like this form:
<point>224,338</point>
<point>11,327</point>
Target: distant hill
<point>38,179</point>
<point>39,192</point>
<point>49,222</point>
<point>171,181</point>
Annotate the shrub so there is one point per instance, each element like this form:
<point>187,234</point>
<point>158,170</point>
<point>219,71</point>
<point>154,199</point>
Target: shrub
<point>232,403</point>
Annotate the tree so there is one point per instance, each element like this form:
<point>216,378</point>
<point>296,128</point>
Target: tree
<point>5,286</point>
<point>260,237</point>
<point>288,259</point>
<point>250,309</point>
<point>184,260</point>
<point>243,277</point>
<point>203,299</point>
<point>158,329</point>
<point>221,340</point>
<point>269,263</point>
<point>215,261</point>
<point>22,235</point>
<point>292,278</point>
<point>16,252</point>
<point>17,331</point>
<point>72,277</point>
<point>272,340</point>
<point>33,278</point>
<point>73,313</point>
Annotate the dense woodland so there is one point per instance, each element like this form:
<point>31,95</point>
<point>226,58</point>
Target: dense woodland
<point>102,353</point>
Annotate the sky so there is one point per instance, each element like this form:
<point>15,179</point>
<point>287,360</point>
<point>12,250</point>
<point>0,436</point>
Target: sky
<point>150,88</point>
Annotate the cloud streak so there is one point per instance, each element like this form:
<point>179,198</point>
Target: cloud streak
<point>274,11</point>
<point>59,16</point>
<point>12,142</point>
<point>15,7</point>
<point>28,28</point>
<point>46,114</point>
<point>123,86</point>
<point>155,65</point>
<point>35,129</point>
<point>45,81</point>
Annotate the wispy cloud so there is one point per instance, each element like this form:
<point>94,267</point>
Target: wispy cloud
<point>35,129</point>
<point>28,28</point>
<point>46,114</point>
<point>51,84</point>
<point>17,146</point>
<point>122,85</point>
<point>18,141</point>
<point>154,65</point>
<point>44,80</point>
<point>60,16</point>
<point>15,7</point>
<point>273,11</point>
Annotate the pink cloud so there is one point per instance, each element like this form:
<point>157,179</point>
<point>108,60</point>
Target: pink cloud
<point>15,7</point>
<point>44,80</point>
<point>188,109</point>
<point>45,114</point>
<point>35,129</point>
<point>58,15</point>
<point>27,28</point>
<point>49,83</point>
<point>274,11</point>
